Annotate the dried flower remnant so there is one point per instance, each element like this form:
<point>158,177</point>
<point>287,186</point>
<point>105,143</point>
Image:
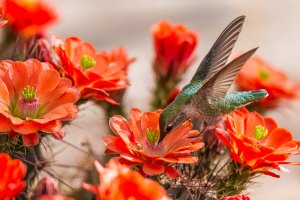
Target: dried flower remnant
<point>137,142</point>
<point>257,142</point>
<point>46,187</point>
<point>96,74</point>
<point>119,182</point>
<point>34,98</point>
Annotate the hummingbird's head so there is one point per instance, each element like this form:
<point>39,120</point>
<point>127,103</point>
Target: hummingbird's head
<point>169,122</point>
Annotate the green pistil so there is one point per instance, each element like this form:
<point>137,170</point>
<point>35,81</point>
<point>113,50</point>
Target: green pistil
<point>87,61</point>
<point>260,132</point>
<point>152,136</point>
<point>263,74</point>
<point>29,93</point>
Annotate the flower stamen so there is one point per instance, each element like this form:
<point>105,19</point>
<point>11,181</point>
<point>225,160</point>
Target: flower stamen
<point>260,132</point>
<point>87,61</point>
<point>29,93</point>
<point>263,74</point>
<point>152,136</point>
<point>27,105</point>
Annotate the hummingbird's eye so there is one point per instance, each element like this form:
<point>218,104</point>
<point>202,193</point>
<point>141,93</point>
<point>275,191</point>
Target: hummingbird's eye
<point>169,128</point>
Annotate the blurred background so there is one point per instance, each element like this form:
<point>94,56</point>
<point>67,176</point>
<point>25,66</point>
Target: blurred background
<point>274,26</point>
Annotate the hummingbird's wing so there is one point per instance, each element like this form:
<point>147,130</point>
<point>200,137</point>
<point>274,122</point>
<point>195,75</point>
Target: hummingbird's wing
<point>217,57</point>
<point>217,86</point>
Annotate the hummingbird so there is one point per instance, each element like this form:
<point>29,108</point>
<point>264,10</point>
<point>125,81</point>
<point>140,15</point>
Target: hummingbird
<point>206,99</point>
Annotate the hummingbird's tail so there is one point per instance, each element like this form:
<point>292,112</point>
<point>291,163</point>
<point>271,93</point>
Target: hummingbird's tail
<point>258,94</point>
<point>235,100</point>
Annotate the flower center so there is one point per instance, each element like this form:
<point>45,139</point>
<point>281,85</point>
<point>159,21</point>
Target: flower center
<point>260,132</point>
<point>152,136</point>
<point>27,105</point>
<point>87,61</point>
<point>263,74</point>
<point>29,93</point>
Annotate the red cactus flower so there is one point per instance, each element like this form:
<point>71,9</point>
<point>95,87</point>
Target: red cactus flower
<point>258,74</point>
<point>236,197</point>
<point>34,98</point>
<point>119,182</point>
<point>96,74</point>
<point>118,55</point>
<point>257,142</point>
<point>137,143</point>
<point>29,17</point>
<point>11,177</point>
<point>174,46</point>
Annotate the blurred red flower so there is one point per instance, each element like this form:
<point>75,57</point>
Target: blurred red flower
<point>96,74</point>
<point>119,182</point>
<point>258,74</point>
<point>11,177</point>
<point>174,46</point>
<point>34,98</point>
<point>47,189</point>
<point>173,94</point>
<point>236,197</point>
<point>137,142</point>
<point>3,22</point>
<point>55,197</point>
<point>118,55</point>
<point>257,142</point>
<point>29,17</point>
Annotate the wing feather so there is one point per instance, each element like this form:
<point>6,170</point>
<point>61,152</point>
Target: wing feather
<point>218,85</point>
<point>217,57</point>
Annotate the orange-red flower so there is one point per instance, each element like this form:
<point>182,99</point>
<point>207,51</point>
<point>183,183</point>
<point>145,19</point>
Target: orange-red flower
<point>257,142</point>
<point>174,46</point>
<point>236,197</point>
<point>96,74</point>
<point>11,177</point>
<point>137,142</point>
<point>34,98</point>
<point>118,55</point>
<point>29,17</point>
<point>119,182</point>
<point>258,74</point>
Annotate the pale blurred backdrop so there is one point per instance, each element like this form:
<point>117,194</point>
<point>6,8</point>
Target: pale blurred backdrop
<point>274,26</point>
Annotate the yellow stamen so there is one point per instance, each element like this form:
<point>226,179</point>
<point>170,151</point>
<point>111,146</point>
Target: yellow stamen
<point>87,61</point>
<point>260,132</point>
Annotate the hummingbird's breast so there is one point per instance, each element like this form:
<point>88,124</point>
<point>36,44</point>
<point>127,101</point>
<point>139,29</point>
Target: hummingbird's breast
<point>201,108</point>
